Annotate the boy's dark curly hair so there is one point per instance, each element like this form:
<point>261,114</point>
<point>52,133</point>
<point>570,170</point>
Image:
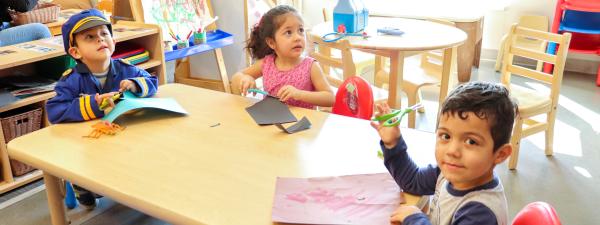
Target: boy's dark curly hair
<point>488,101</point>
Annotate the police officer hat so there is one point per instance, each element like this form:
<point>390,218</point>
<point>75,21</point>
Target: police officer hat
<point>81,21</point>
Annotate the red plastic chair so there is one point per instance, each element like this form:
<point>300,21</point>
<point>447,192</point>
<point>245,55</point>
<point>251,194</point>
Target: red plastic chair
<point>538,213</point>
<point>567,18</point>
<point>354,98</point>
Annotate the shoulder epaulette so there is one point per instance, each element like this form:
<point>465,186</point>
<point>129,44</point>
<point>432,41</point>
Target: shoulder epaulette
<point>125,62</point>
<point>67,72</point>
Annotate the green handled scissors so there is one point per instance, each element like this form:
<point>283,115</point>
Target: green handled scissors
<point>265,93</point>
<point>393,119</point>
<point>256,90</point>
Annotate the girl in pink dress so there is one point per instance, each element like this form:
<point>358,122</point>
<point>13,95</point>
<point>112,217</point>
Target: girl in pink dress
<point>277,44</point>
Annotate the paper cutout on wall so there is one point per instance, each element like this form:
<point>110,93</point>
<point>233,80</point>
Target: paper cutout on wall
<point>131,102</point>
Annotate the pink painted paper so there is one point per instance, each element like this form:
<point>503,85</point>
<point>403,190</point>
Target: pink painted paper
<point>353,199</point>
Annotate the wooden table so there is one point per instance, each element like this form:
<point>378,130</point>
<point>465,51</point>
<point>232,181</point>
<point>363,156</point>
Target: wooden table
<point>466,17</point>
<point>418,36</point>
<point>214,166</point>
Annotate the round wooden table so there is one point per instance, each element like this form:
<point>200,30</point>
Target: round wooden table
<point>419,35</point>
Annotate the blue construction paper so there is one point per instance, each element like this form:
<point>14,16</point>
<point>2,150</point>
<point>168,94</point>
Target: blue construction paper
<point>131,102</point>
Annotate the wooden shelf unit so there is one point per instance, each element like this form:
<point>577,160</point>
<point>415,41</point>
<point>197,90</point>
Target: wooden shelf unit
<point>145,35</point>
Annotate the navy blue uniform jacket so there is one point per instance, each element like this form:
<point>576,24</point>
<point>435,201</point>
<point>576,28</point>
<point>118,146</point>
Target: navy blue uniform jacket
<point>75,91</point>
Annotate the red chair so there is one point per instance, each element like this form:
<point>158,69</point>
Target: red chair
<point>538,213</point>
<point>582,19</point>
<point>354,98</point>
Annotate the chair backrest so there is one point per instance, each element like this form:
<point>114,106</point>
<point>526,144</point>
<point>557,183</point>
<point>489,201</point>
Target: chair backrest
<point>535,22</point>
<point>580,5</point>
<point>322,53</point>
<point>587,21</point>
<point>354,98</point>
<point>511,50</point>
<point>539,213</point>
<point>431,61</point>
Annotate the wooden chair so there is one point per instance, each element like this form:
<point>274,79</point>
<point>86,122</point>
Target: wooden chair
<point>529,21</point>
<point>322,53</point>
<point>431,66</point>
<point>532,103</point>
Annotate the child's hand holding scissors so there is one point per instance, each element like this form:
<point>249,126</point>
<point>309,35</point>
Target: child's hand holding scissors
<point>246,83</point>
<point>389,135</point>
<point>106,100</point>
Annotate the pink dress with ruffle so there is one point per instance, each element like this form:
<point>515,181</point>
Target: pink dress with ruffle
<point>299,77</point>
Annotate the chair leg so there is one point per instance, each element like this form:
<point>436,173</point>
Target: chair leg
<point>540,66</point>
<point>419,98</point>
<point>598,77</point>
<point>516,142</point>
<point>412,99</point>
<point>499,58</point>
<point>379,74</point>
<point>551,118</point>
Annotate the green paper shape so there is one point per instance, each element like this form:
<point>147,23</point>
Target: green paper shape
<point>131,102</point>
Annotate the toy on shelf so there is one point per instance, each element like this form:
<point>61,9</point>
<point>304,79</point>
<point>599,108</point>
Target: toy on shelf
<point>352,14</point>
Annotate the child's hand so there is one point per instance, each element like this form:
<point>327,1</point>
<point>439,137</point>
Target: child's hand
<point>246,82</point>
<point>108,96</point>
<point>402,212</point>
<point>288,92</point>
<point>127,85</point>
<point>389,135</point>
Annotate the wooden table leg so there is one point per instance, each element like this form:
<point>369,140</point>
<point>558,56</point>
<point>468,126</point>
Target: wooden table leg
<point>222,70</point>
<point>466,51</point>
<point>477,57</point>
<point>379,64</point>
<point>55,200</point>
<point>478,37</point>
<point>396,73</point>
<point>446,71</point>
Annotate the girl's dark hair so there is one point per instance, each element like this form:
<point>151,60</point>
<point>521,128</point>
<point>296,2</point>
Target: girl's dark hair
<point>268,24</point>
<point>488,101</point>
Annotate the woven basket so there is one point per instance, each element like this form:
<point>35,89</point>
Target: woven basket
<point>42,13</point>
<point>16,125</point>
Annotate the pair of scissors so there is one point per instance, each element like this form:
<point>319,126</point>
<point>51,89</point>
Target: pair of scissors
<point>393,119</point>
<point>258,91</point>
<point>116,98</point>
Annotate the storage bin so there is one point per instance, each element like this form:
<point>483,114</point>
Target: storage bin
<point>16,123</point>
<point>42,13</point>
